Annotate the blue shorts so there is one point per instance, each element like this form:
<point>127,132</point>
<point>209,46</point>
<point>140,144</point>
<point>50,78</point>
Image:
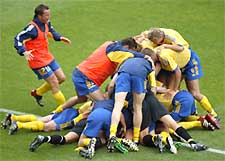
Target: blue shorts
<point>64,118</point>
<point>46,71</point>
<point>183,105</point>
<point>99,119</point>
<point>193,69</point>
<point>83,85</point>
<point>130,83</point>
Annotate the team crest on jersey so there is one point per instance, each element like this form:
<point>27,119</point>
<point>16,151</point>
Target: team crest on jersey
<point>89,84</point>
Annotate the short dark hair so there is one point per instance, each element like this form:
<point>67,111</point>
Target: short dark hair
<point>130,42</point>
<point>39,10</point>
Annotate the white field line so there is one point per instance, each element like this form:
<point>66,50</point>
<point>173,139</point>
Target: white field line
<point>4,110</point>
<point>209,149</point>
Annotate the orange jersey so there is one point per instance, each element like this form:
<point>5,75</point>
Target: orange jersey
<point>98,67</point>
<point>42,56</point>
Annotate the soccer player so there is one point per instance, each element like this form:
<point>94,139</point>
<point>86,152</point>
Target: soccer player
<point>55,121</point>
<point>32,43</point>
<point>132,76</point>
<point>173,49</point>
<point>89,75</point>
<point>96,132</point>
<point>181,106</point>
<point>78,125</point>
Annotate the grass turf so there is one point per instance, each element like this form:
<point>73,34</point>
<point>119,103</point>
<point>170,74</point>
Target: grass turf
<point>88,23</point>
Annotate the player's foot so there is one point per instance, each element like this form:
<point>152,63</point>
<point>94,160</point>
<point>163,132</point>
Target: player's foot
<point>13,128</point>
<point>7,121</point>
<point>36,143</point>
<point>198,147</point>
<point>213,120</point>
<point>129,144</point>
<point>206,124</point>
<point>37,98</point>
<point>170,145</point>
<point>88,153</point>
<point>113,144</point>
<point>158,142</point>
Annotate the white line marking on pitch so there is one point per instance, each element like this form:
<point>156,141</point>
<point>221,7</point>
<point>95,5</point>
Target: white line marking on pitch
<point>15,112</point>
<point>209,149</point>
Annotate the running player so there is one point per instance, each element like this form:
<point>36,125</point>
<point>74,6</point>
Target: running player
<point>32,43</point>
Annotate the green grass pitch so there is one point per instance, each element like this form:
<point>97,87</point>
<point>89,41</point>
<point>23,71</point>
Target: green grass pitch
<point>88,23</point>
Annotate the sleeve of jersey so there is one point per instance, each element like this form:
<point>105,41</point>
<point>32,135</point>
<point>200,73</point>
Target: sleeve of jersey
<point>167,63</point>
<point>53,34</point>
<point>151,79</point>
<point>28,33</point>
<point>119,56</point>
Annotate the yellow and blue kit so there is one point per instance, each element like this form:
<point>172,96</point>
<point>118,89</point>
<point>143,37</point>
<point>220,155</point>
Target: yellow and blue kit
<point>181,105</point>
<point>132,76</point>
<point>63,119</point>
<point>99,119</point>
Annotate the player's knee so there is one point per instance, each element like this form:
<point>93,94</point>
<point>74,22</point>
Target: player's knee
<point>196,95</point>
<point>61,79</point>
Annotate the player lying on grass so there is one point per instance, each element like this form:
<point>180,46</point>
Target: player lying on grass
<point>78,125</point>
<point>57,121</point>
<point>181,105</point>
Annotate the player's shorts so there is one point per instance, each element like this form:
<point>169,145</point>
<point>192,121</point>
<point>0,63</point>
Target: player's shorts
<point>46,71</point>
<point>183,105</point>
<point>79,127</point>
<point>130,83</point>
<point>64,118</point>
<point>83,85</point>
<point>152,110</point>
<point>193,69</point>
<point>99,119</point>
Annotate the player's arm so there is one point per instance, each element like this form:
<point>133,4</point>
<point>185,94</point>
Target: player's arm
<point>29,32</point>
<point>173,46</point>
<point>117,53</point>
<point>152,81</point>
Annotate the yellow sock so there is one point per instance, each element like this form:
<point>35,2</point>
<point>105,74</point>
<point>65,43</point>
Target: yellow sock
<point>86,141</point>
<point>190,124</point>
<point>43,89</point>
<point>136,134</point>
<point>84,107</point>
<point>59,97</point>
<point>113,130</point>
<point>24,118</point>
<point>79,148</point>
<point>164,136</point>
<point>33,125</point>
<point>204,102</point>
<point>78,118</point>
<point>192,118</point>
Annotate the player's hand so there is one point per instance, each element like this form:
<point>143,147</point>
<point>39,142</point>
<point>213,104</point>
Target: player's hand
<point>28,56</point>
<point>151,61</point>
<point>66,40</point>
<point>57,110</point>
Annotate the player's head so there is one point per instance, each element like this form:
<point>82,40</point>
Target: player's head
<point>42,12</point>
<point>151,53</point>
<point>129,43</point>
<point>156,35</point>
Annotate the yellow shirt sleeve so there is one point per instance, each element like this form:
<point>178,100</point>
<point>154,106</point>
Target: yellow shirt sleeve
<point>119,56</point>
<point>151,79</point>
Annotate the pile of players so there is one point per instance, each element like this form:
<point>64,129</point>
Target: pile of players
<point>142,104</point>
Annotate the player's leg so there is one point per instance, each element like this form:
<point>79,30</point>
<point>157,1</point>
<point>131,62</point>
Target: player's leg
<point>137,118</point>
<point>180,132</point>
